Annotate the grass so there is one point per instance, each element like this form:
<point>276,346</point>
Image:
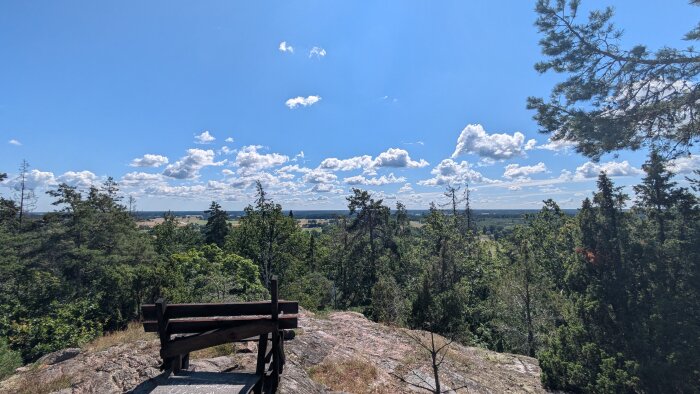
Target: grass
<point>30,385</point>
<point>134,332</point>
<point>227,349</point>
<point>353,376</point>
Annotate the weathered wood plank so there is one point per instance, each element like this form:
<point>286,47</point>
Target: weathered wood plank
<point>222,309</point>
<point>189,326</point>
<point>204,382</point>
<point>196,342</point>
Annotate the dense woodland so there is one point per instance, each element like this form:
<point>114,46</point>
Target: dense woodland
<point>606,300</point>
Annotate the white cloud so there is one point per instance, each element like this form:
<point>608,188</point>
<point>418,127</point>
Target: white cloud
<point>406,188</point>
<point>318,52</point>
<point>33,180</point>
<point>517,171</point>
<point>612,168</point>
<point>449,171</point>
<point>204,138</point>
<point>382,180</point>
<point>350,164</point>
<point>149,160</point>
<point>558,145</point>
<point>229,139</point>
<point>298,156</point>
<point>294,168</point>
<point>14,142</point>
<point>249,160</point>
<point>474,139</point>
<point>184,191</point>
<point>319,176</point>
<point>399,158</point>
<point>293,103</point>
<point>225,150</point>
<point>80,179</point>
<point>685,164</point>
<point>188,166</point>
<point>284,47</point>
<point>391,158</point>
<point>140,179</point>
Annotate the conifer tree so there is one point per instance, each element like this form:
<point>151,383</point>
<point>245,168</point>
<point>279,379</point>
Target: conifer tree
<point>217,227</point>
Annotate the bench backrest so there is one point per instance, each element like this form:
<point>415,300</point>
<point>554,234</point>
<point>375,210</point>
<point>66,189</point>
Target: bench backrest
<point>197,318</point>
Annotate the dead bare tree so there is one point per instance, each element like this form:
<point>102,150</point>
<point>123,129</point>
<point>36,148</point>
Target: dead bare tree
<point>25,196</point>
<point>437,356</point>
<point>454,200</point>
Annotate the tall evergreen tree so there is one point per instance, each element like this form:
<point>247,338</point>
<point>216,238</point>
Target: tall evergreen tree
<point>217,227</point>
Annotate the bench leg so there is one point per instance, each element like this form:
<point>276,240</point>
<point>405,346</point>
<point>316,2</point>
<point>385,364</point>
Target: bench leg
<point>260,367</point>
<point>176,364</point>
<point>186,361</point>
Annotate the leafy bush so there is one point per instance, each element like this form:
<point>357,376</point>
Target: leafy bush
<point>9,359</point>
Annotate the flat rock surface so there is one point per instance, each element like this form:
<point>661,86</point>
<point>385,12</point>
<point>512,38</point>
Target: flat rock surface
<point>340,352</point>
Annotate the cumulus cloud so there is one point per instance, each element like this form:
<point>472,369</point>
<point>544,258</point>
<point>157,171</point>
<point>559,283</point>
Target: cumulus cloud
<point>475,140</point>
<point>399,158</point>
<point>188,167</point>
<point>558,145</point>
<point>318,52</point>
<point>449,171</point>
<point>517,171</point>
<point>204,138</point>
<point>406,188</point>
<point>612,168</point>
<point>382,180</point>
<point>293,103</point>
<point>33,180</point>
<point>294,168</point>
<point>391,158</point>
<point>350,164</point>
<point>149,160</point>
<point>14,142</point>
<point>684,164</point>
<point>284,47</point>
<point>140,179</point>
<point>319,176</point>
<point>229,139</point>
<point>79,179</point>
<point>183,191</point>
<point>249,160</point>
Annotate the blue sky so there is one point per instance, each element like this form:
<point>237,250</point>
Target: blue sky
<point>399,97</point>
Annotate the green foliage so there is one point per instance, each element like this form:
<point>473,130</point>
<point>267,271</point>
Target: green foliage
<point>269,238</point>
<point>170,238</point>
<point>217,227</point>
<point>388,304</point>
<point>65,325</point>
<point>629,323</point>
<point>614,98</point>
<point>313,291</point>
<point>208,274</point>
<point>9,359</point>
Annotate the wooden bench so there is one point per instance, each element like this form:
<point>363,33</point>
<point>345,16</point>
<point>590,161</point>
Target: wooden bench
<point>184,328</point>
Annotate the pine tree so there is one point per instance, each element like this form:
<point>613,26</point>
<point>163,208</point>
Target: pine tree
<point>217,227</point>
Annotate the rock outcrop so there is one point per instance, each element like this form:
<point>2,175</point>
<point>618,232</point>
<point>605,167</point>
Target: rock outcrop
<point>342,351</point>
